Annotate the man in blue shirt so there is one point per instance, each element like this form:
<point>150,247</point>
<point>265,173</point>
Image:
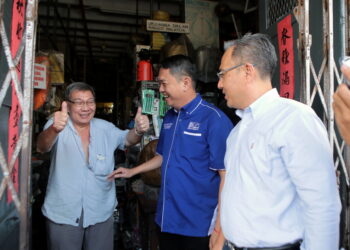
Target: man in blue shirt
<point>280,188</point>
<point>79,200</point>
<point>190,151</point>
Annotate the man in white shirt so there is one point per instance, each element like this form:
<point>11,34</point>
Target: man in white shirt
<point>280,188</point>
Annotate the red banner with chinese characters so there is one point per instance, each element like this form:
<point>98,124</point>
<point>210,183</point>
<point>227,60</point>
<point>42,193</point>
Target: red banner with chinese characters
<point>286,56</point>
<point>17,27</point>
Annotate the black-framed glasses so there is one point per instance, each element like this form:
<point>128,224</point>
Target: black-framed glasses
<point>80,103</point>
<point>222,72</point>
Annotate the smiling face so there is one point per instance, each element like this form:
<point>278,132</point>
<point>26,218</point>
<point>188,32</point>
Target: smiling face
<point>81,116</point>
<point>232,83</point>
<point>172,88</point>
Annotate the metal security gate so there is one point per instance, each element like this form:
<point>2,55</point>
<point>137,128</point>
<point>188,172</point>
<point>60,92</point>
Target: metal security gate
<point>321,29</point>
<point>320,85</point>
<point>23,89</point>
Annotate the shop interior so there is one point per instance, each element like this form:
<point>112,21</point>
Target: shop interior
<point>109,45</point>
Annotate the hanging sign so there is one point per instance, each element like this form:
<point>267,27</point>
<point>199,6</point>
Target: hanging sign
<point>17,24</point>
<point>286,56</point>
<point>39,76</point>
<point>164,26</point>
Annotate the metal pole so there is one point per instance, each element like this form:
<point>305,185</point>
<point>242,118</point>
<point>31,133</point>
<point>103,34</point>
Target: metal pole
<point>331,73</point>
<point>25,160</point>
<point>307,45</point>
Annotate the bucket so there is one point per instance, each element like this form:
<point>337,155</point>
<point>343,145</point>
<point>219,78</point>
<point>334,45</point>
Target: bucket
<point>144,71</point>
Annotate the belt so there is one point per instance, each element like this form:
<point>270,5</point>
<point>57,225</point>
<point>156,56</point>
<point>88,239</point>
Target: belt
<point>292,246</point>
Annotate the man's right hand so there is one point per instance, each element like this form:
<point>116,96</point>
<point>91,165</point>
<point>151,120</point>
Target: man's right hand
<point>60,118</point>
<point>120,173</point>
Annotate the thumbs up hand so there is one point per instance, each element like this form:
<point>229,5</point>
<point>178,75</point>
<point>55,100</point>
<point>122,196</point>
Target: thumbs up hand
<point>141,121</point>
<point>60,118</point>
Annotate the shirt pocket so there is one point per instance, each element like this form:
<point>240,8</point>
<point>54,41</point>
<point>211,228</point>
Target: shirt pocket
<point>192,144</point>
<point>103,164</point>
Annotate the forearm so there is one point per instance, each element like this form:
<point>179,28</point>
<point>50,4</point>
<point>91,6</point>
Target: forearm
<point>46,139</point>
<point>217,237</point>
<point>222,181</point>
<point>344,129</point>
<point>341,106</point>
<point>152,164</point>
<point>132,137</point>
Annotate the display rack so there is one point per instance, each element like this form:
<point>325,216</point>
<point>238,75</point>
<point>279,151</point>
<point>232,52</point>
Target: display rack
<point>153,104</point>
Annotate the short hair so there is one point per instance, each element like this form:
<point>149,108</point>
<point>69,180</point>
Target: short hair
<point>80,86</point>
<point>180,65</point>
<point>256,49</point>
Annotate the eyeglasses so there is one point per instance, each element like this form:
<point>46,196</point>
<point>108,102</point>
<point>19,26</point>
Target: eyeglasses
<point>222,72</point>
<point>80,104</point>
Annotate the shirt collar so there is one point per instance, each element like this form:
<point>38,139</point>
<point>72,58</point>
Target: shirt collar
<point>190,107</point>
<point>71,125</point>
<point>260,105</point>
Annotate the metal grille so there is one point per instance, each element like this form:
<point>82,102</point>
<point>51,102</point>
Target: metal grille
<point>277,9</point>
<point>320,85</point>
<point>23,90</point>
<point>318,88</point>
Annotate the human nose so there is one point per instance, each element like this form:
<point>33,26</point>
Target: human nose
<point>220,86</point>
<point>161,88</point>
<point>85,105</point>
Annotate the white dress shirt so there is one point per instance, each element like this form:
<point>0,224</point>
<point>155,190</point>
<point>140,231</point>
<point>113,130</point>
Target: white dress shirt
<point>280,183</point>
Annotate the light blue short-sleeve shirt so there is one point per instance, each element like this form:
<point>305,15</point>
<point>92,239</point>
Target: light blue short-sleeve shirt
<point>75,184</point>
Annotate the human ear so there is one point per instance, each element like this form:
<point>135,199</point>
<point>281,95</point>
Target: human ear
<point>250,71</point>
<point>187,83</point>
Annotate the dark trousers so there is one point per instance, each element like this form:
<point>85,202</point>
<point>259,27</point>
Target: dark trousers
<point>168,241</point>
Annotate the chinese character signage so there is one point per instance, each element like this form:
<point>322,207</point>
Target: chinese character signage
<point>286,56</point>
<point>17,24</point>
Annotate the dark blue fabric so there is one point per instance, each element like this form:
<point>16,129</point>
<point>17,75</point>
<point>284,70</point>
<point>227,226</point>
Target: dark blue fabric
<point>192,143</point>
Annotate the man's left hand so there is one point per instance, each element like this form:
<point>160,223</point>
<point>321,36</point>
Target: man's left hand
<point>141,122</point>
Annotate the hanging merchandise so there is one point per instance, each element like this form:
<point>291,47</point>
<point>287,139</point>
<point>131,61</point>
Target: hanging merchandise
<point>157,121</point>
<point>144,66</point>
<point>163,106</point>
<point>147,101</point>
<point>56,68</point>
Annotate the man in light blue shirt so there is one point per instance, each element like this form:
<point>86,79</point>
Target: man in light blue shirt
<point>280,188</point>
<point>79,200</point>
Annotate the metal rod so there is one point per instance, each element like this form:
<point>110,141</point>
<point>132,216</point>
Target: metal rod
<point>27,114</point>
<point>331,73</point>
<point>307,45</point>
<point>10,62</point>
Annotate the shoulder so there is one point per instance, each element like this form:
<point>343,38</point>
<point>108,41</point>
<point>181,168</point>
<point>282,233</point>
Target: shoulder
<point>294,107</point>
<point>296,116</point>
<point>102,124</point>
<point>211,111</point>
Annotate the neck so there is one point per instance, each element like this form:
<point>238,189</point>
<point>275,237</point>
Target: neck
<point>258,90</point>
<point>82,127</point>
<point>187,99</point>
